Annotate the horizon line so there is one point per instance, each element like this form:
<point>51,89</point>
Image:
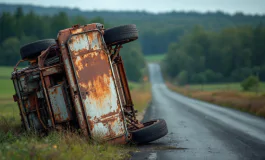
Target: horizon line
<point>135,10</point>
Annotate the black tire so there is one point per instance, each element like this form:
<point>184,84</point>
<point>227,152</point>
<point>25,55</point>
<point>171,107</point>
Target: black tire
<point>152,131</point>
<point>121,34</point>
<point>33,50</point>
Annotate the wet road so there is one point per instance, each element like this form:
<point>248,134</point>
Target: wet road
<point>199,130</point>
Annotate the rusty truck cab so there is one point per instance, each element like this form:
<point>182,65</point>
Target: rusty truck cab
<point>89,72</point>
<point>79,81</point>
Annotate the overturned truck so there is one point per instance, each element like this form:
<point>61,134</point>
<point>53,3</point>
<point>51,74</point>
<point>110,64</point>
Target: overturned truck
<point>78,81</point>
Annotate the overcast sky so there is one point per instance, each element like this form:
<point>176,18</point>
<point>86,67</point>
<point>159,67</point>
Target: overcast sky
<point>229,6</point>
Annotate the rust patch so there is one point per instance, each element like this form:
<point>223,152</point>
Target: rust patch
<point>95,73</point>
<point>119,140</point>
<point>62,39</point>
<point>78,30</point>
<point>52,70</point>
<point>32,103</point>
<point>110,114</point>
<point>98,89</point>
<point>97,65</point>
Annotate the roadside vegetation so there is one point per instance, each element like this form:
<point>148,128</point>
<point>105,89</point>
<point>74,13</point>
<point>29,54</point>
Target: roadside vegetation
<point>230,55</point>
<point>141,95</point>
<point>155,58</point>
<point>228,95</point>
<point>225,67</point>
<point>15,143</point>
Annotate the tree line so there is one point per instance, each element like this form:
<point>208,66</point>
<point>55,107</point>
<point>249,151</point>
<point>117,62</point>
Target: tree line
<point>156,31</point>
<point>19,28</point>
<point>229,55</point>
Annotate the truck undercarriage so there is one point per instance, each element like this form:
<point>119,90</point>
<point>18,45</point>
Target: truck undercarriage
<point>78,81</point>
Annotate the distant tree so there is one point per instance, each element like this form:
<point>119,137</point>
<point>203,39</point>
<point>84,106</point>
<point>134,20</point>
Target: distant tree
<point>10,51</point>
<point>241,73</point>
<point>79,20</point>
<point>98,20</point>
<point>59,21</point>
<point>256,70</point>
<point>19,13</point>
<point>231,54</point>
<point>7,26</point>
<point>183,78</point>
<point>133,69</point>
<point>199,78</point>
<point>250,83</point>
<point>133,61</point>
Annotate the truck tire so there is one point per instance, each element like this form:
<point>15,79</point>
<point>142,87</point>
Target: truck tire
<point>34,49</point>
<point>121,34</point>
<point>153,130</point>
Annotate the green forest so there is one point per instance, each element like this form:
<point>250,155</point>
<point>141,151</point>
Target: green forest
<point>20,28</point>
<point>199,47</point>
<point>229,55</point>
<point>156,30</point>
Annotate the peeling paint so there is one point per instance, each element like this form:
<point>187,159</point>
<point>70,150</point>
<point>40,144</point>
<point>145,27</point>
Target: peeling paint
<point>97,87</point>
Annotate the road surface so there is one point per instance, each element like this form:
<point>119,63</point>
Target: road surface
<point>200,130</point>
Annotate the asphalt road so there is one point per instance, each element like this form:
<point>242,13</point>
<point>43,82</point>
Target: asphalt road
<point>200,130</point>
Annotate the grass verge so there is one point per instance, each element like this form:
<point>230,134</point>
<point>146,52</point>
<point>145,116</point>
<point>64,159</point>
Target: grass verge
<point>141,96</point>
<point>17,144</point>
<point>57,145</point>
<point>245,101</point>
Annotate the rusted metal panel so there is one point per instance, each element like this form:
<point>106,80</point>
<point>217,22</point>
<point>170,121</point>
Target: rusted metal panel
<point>62,38</point>
<point>52,70</point>
<point>34,121</point>
<point>46,83</point>
<point>96,84</point>
<point>30,103</point>
<point>58,103</point>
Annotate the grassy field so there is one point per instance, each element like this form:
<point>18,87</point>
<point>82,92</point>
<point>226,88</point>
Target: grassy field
<point>228,95</point>
<point>141,95</point>
<point>17,144</point>
<point>224,87</point>
<point>155,58</point>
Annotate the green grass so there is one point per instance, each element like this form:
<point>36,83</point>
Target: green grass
<point>6,85</point>
<point>228,95</point>
<point>15,143</point>
<point>223,86</point>
<point>57,145</point>
<point>155,58</point>
<point>7,106</point>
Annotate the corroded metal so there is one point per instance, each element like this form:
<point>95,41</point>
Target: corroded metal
<point>52,70</point>
<point>77,80</point>
<point>45,84</point>
<point>63,36</point>
<point>96,85</point>
<point>59,104</point>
